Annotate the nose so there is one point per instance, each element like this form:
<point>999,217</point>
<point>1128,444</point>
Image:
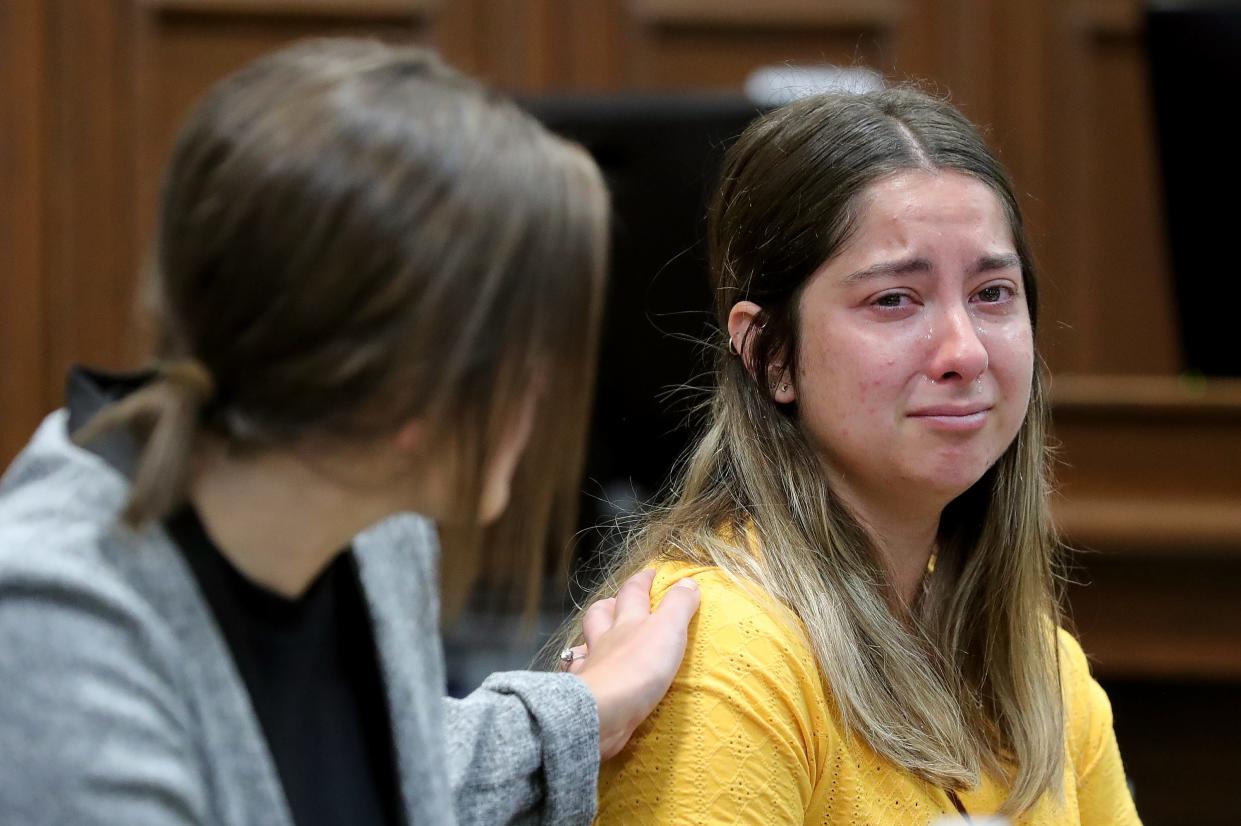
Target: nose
<point>957,351</point>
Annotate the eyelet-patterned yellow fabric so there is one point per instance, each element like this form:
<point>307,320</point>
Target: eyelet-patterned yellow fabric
<point>748,735</point>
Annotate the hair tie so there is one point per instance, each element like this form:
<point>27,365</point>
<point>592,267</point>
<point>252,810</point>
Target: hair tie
<point>191,376</point>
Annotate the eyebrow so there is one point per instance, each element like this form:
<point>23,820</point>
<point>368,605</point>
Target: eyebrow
<point>1004,261</point>
<point>986,263</point>
<point>900,267</point>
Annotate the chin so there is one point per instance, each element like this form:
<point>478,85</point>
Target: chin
<point>954,481</point>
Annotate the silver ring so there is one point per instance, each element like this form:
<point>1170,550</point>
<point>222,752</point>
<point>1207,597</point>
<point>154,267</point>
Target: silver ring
<point>569,655</point>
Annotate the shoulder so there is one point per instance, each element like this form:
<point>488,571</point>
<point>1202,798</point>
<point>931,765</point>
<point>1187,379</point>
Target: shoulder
<point>738,623</point>
<point>60,532</point>
<point>53,476</point>
<point>1097,771</point>
<point>94,684</point>
<point>1072,658</point>
<point>744,732</point>
<point>748,656</point>
<point>727,598</point>
<point>93,692</point>
<point>79,592</point>
<point>61,546</point>
<point>58,513</point>
<point>1075,676</point>
<point>1087,711</point>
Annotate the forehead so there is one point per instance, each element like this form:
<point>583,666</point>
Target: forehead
<point>919,200</point>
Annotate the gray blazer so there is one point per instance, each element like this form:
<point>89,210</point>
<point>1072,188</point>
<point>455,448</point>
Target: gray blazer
<point>120,702</point>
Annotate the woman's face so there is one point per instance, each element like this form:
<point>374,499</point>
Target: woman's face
<point>916,354</point>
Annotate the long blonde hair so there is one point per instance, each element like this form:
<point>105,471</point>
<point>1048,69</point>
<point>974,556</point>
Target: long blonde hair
<point>967,682</point>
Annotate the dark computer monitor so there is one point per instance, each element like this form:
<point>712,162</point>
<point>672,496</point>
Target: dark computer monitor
<point>1195,70</point>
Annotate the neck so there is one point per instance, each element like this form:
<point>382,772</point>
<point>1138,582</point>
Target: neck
<point>904,535</point>
<point>278,519</point>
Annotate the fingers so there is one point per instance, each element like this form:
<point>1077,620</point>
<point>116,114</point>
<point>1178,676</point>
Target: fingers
<point>598,619</point>
<point>633,601</point>
<point>679,603</point>
<point>579,659</point>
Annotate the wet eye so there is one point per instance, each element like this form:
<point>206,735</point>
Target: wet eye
<point>891,300</point>
<point>995,294</point>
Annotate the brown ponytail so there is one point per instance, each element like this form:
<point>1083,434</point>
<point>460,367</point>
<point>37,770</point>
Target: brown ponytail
<point>165,413</point>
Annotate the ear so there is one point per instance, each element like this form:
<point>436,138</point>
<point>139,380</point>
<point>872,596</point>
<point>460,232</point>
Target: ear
<point>411,438</point>
<point>742,329</point>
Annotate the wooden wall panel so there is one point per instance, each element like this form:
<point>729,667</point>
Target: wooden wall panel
<point>89,236</point>
<point>591,42</point>
<point>1106,252</point>
<point>92,97</point>
<point>1060,86</point>
<point>179,48</point>
<point>1149,487</point>
<point>24,391</point>
<point>692,44</point>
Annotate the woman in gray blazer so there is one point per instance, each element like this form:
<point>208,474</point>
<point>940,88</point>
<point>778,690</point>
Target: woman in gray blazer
<point>377,290</point>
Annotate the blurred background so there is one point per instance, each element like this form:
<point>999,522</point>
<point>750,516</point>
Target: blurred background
<point>1110,115</point>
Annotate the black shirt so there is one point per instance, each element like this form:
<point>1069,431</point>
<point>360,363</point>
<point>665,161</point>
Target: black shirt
<point>312,671</point>
<point>309,664</point>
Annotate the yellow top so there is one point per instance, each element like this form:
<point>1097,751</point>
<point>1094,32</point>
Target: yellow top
<point>747,735</point>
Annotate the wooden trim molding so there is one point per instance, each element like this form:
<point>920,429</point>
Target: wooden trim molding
<point>843,14</point>
<point>351,9</point>
<point>1109,20</point>
<point>1150,464</point>
<point>1153,525</point>
<point>1144,396</point>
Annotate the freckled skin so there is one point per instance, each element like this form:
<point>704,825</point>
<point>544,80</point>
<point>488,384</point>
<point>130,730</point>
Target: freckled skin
<point>877,351</point>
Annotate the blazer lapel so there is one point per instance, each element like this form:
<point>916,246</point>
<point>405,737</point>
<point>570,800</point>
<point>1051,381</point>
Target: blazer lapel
<point>397,561</point>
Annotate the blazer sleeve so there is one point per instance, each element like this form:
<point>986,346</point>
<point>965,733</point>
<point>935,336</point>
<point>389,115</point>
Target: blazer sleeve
<point>735,740</point>
<point>524,748</point>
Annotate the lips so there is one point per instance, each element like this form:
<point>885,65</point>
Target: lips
<point>951,410</point>
<point>953,417</point>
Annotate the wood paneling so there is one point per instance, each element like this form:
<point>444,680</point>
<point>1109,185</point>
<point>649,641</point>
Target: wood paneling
<point>91,256</point>
<point>1151,489</point>
<point>691,44</point>
<point>24,97</point>
<point>1152,616</point>
<point>1150,463</point>
<point>1060,87</point>
<point>92,97</point>
<point>772,14</point>
<point>349,12</point>
<point>178,48</point>
<point>1106,251</point>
